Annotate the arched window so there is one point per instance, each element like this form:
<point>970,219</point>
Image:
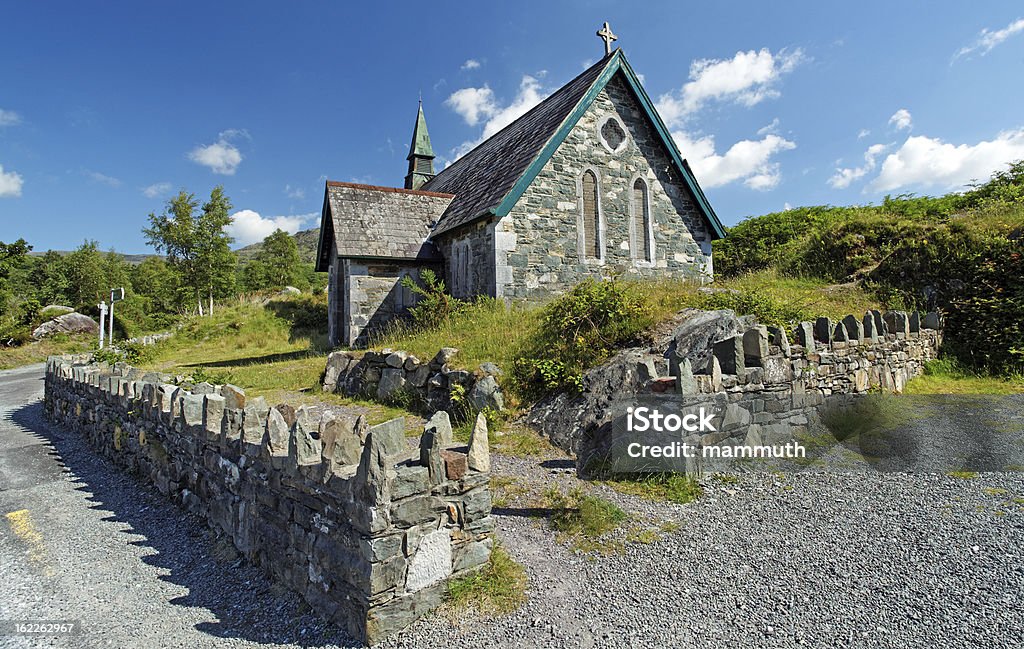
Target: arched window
<point>591,219</point>
<point>641,222</point>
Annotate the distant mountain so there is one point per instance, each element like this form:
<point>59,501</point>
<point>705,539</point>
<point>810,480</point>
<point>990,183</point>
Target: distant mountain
<point>306,240</point>
<point>131,259</point>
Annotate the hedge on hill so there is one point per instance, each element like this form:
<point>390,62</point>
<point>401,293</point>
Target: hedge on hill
<point>961,253</point>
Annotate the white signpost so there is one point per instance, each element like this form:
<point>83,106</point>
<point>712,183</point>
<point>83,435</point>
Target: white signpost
<point>116,294</point>
<point>103,319</point>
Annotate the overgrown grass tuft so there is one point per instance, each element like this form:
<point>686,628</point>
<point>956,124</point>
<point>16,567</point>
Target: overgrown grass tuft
<point>498,588</point>
<point>581,519</point>
<point>671,487</point>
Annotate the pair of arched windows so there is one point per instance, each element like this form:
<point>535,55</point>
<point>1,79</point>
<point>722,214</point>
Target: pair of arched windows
<point>640,217</point>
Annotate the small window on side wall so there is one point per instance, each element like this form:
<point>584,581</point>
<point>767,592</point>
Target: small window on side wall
<point>641,222</point>
<point>591,217</point>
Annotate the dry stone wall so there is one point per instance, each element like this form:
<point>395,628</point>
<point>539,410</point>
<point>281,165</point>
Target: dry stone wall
<point>367,528</point>
<point>765,383</point>
<point>400,377</point>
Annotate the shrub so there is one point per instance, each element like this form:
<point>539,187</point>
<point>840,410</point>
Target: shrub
<point>434,306</point>
<point>579,330</point>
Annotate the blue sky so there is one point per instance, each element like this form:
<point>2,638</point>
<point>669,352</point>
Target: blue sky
<point>106,109</point>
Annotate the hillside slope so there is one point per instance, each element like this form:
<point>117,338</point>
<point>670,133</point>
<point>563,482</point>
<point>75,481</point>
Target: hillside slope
<point>962,253</point>
<point>306,240</point>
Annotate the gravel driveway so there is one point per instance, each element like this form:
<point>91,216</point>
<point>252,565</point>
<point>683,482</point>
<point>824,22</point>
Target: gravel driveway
<point>859,558</point>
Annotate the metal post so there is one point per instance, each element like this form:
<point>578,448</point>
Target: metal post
<point>115,294</point>
<point>103,320</point>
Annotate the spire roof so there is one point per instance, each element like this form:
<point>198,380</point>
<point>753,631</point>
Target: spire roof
<point>420,137</point>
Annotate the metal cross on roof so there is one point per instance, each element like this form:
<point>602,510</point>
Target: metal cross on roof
<point>607,36</point>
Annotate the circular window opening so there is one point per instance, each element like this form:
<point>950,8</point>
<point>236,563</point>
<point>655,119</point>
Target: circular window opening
<point>613,134</point>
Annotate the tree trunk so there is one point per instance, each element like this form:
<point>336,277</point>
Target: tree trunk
<point>211,301</point>
<point>199,301</point>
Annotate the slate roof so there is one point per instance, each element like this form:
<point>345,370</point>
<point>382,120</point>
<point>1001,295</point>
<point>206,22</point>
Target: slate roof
<point>380,222</point>
<point>483,177</point>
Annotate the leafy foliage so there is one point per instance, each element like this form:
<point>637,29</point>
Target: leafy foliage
<point>579,330</point>
<point>434,306</point>
<point>962,253</point>
<point>197,248</point>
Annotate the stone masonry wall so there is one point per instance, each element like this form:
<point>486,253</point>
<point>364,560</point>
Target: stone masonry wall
<point>375,296</point>
<point>765,388</point>
<point>537,243</point>
<point>427,386</point>
<point>366,528</point>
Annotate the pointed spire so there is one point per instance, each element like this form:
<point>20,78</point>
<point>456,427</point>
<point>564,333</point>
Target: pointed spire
<point>421,154</point>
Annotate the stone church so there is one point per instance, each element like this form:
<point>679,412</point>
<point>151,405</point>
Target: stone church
<point>587,183</point>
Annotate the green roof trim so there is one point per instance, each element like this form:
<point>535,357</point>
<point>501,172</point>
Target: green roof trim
<point>420,146</point>
<point>616,62</point>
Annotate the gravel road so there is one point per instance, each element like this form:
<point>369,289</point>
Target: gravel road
<point>858,558</point>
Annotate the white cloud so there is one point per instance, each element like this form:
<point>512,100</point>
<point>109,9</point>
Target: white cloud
<point>863,133</point>
<point>771,128</point>
<point>102,179</point>
<point>9,118</point>
<point>471,64</point>
<point>989,39</point>
<point>472,103</point>
<point>479,104</point>
<point>930,162</point>
<point>786,206</point>
<point>247,226</point>
<point>747,160</point>
<point>10,183</point>
<point>901,119</point>
<point>748,78</point>
<point>843,178</point>
<point>222,157</point>
<point>156,189</point>
<point>297,193</point>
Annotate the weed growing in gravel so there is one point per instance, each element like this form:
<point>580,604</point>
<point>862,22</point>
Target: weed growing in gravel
<point>726,478</point>
<point>499,587</point>
<point>963,475</point>
<point>521,442</point>
<point>581,519</point>
<point>995,491</point>
<point>671,487</point>
<point>505,490</point>
<point>642,535</point>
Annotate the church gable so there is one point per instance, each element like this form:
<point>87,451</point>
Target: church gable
<point>609,197</point>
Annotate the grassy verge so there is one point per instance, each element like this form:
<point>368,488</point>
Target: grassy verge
<point>36,352</point>
<point>671,487</point>
<point>947,377</point>
<point>500,587</point>
<point>581,520</point>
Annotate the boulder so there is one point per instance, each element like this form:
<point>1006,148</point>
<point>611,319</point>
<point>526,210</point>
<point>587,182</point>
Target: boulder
<point>695,337</point>
<point>69,323</point>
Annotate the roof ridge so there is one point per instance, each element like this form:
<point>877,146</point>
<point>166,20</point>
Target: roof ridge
<point>396,190</point>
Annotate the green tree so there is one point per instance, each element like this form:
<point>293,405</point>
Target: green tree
<point>197,248</point>
<point>50,277</point>
<point>276,265</point>
<point>13,258</point>
<point>87,276</point>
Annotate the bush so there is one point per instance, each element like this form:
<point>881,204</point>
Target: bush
<point>579,330</point>
<point>435,306</point>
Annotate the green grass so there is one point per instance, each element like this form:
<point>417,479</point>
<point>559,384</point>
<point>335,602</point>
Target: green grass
<point>37,352</point>
<point>671,487</point>
<point>498,588</point>
<point>489,331</point>
<point>963,475</point>
<point>251,346</point>
<point>581,519</point>
<point>945,376</point>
